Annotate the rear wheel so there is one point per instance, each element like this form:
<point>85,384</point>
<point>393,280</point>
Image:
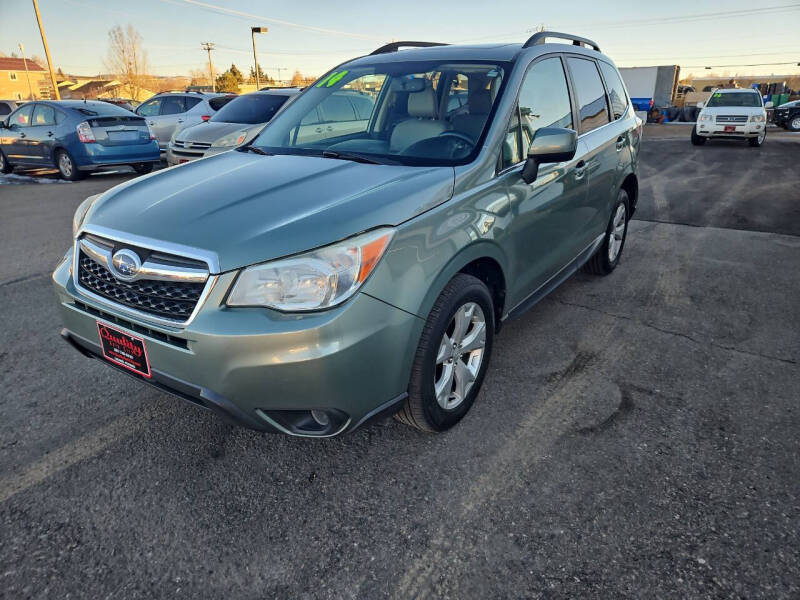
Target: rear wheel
<point>452,356</point>
<point>697,140</point>
<point>607,256</point>
<point>757,141</point>
<point>67,167</point>
<point>5,167</point>
<point>793,124</point>
<point>142,168</point>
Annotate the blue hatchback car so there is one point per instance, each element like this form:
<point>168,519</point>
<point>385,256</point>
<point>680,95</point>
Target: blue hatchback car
<point>77,137</point>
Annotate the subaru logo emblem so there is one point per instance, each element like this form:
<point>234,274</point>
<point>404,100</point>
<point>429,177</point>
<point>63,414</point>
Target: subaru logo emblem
<point>125,264</point>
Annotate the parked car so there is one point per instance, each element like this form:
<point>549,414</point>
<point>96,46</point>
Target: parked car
<point>9,106</point>
<point>788,115</point>
<point>77,137</point>
<point>173,110</point>
<point>234,124</point>
<point>732,113</point>
<point>329,273</point>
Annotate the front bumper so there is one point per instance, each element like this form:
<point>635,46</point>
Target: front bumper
<point>741,130</point>
<point>263,369</point>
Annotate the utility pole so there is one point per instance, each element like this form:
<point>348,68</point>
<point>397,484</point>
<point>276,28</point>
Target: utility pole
<point>209,46</point>
<point>253,32</point>
<point>27,73</point>
<point>46,50</point>
<point>279,69</point>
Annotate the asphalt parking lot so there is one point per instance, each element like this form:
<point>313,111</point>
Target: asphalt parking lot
<point>636,436</point>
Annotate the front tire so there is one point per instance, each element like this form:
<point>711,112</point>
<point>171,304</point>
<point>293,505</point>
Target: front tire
<point>607,256</point>
<point>793,125</point>
<point>697,140</point>
<point>67,167</point>
<point>5,167</point>
<point>757,141</point>
<point>452,356</point>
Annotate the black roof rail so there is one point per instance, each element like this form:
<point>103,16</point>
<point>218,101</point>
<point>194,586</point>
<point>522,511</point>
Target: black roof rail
<point>395,46</point>
<point>540,36</point>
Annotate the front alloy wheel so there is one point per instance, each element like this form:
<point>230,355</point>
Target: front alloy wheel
<point>460,356</point>
<point>452,356</point>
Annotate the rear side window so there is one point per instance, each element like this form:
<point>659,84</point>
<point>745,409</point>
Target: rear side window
<point>172,105</point>
<point>591,93</point>
<point>44,115</point>
<point>191,102</point>
<point>616,90</point>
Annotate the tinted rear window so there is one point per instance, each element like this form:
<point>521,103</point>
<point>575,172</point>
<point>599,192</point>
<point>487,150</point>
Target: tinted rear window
<point>591,93</point>
<point>100,109</point>
<point>220,101</point>
<point>250,109</point>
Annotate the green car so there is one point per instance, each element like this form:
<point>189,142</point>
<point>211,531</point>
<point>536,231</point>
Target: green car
<point>357,258</point>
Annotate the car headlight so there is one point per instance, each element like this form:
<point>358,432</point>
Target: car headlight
<point>313,280</point>
<point>757,118</point>
<point>705,117</point>
<point>80,213</point>
<point>232,139</point>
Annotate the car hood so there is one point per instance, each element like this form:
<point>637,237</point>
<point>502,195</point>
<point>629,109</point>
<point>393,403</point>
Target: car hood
<point>209,132</point>
<point>248,208</point>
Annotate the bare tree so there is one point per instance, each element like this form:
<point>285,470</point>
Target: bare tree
<point>126,59</point>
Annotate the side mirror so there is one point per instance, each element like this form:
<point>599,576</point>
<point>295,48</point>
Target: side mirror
<point>701,104</point>
<point>549,145</point>
<point>769,104</point>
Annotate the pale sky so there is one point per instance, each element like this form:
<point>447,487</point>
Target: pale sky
<point>315,35</point>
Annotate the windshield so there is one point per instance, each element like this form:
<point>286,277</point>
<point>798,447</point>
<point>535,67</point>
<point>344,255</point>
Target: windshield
<point>414,113</point>
<point>250,109</point>
<point>748,99</point>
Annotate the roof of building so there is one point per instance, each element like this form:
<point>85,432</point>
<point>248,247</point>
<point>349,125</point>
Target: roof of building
<point>8,63</point>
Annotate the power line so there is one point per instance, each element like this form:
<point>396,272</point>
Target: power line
<point>653,20</point>
<point>245,15</point>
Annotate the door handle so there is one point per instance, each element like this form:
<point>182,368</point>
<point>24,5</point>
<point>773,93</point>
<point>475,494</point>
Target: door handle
<point>151,122</point>
<point>330,128</point>
<point>318,130</point>
<point>180,120</point>
<point>49,134</point>
<point>22,135</point>
<point>620,143</point>
<point>580,169</point>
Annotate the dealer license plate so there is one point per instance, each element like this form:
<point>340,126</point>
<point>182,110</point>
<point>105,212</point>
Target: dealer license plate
<point>124,349</point>
<point>730,128</point>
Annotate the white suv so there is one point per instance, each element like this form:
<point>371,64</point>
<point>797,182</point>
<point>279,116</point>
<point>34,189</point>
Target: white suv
<point>732,113</point>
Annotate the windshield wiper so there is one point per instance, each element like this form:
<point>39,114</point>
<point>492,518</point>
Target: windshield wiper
<point>351,156</point>
<point>255,150</point>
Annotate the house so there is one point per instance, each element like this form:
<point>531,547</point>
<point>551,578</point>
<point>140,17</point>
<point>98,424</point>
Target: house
<point>80,88</point>
<point>14,79</point>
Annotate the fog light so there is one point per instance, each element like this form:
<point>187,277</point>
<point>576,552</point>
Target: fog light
<point>321,417</point>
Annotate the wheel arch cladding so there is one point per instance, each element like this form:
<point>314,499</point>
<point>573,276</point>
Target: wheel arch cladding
<point>483,260</point>
<point>489,271</point>
<point>631,185</point>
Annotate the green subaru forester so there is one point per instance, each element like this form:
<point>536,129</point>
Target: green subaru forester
<point>357,258</point>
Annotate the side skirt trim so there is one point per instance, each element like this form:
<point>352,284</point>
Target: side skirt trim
<point>556,280</point>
